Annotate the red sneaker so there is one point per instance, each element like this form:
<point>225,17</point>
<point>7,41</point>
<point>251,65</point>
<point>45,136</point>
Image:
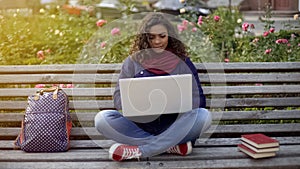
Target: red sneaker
<point>120,152</point>
<point>181,149</point>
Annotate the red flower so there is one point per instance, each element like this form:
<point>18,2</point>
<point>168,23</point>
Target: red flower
<point>217,18</point>
<point>279,41</point>
<point>245,26</point>
<point>268,51</point>
<point>272,30</point>
<point>266,34</point>
<point>101,22</point>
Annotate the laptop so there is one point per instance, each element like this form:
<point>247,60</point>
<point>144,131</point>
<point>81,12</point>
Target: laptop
<point>156,95</point>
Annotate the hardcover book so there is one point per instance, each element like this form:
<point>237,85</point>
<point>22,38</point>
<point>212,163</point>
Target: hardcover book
<point>261,150</point>
<point>254,154</point>
<point>260,140</point>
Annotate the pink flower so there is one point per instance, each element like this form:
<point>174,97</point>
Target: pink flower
<point>299,44</point>
<point>279,41</point>
<point>62,85</point>
<point>258,84</point>
<point>255,40</point>
<point>252,26</point>
<point>115,31</point>
<point>185,23</point>
<point>288,44</point>
<point>285,41</point>
<point>226,60</point>
<point>101,22</point>
<point>181,27</point>
<point>48,51</point>
<point>70,86</point>
<point>217,18</point>
<point>40,86</point>
<point>245,26</point>
<point>200,23</point>
<point>194,29</point>
<point>103,44</point>
<point>272,30</point>
<point>40,55</point>
<point>268,51</point>
<point>200,20</point>
<point>266,34</point>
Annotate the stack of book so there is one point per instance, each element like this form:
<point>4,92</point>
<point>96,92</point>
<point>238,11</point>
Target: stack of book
<point>258,145</point>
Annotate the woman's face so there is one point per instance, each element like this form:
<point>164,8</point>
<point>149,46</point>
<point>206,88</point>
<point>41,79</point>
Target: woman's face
<point>158,38</point>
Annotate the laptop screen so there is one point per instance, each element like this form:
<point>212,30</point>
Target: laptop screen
<point>156,95</point>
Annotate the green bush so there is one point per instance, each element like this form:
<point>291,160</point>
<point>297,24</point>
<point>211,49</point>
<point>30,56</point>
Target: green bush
<point>233,42</point>
<point>220,28</point>
<point>58,35</point>
<point>282,46</point>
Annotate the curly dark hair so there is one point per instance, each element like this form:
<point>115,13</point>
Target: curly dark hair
<point>141,41</point>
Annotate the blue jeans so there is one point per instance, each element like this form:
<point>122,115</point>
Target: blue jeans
<point>187,127</point>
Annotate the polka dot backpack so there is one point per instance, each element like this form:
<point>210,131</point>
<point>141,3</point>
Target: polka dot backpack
<point>47,124</point>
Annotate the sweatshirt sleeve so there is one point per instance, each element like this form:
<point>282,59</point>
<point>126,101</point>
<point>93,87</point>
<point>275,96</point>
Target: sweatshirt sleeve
<point>127,71</point>
<point>200,93</point>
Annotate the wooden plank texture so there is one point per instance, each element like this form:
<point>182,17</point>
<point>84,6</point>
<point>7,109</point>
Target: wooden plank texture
<point>208,90</point>
<point>211,78</point>
<point>220,115</point>
<point>201,153</point>
<point>216,129</point>
<point>201,142</point>
<point>94,104</point>
<point>96,159</point>
<point>268,163</point>
<point>265,84</point>
<point>90,68</point>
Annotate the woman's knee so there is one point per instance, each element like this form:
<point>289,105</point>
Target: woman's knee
<point>204,116</point>
<point>102,118</point>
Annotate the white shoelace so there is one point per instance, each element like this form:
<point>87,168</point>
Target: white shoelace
<point>174,149</point>
<point>130,153</point>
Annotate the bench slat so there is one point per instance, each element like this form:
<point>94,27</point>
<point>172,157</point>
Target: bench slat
<point>91,68</point>
<point>61,68</point>
<point>218,142</point>
<point>201,153</point>
<point>249,67</point>
<point>211,103</point>
<point>290,163</point>
<point>171,162</point>
<point>112,78</point>
<point>208,90</point>
<point>222,115</point>
<point>216,129</point>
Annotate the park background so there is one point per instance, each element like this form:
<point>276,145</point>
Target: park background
<point>64,33</point>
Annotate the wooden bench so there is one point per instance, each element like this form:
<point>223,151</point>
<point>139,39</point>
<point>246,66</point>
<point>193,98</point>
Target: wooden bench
<point>244,98</point>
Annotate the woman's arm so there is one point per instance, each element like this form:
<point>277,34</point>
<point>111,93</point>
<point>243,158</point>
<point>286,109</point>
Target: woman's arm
<point>200,94</point>
<point>127,71</point>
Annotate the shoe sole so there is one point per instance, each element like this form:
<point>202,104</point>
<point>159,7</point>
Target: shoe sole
<point>190,148</point>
